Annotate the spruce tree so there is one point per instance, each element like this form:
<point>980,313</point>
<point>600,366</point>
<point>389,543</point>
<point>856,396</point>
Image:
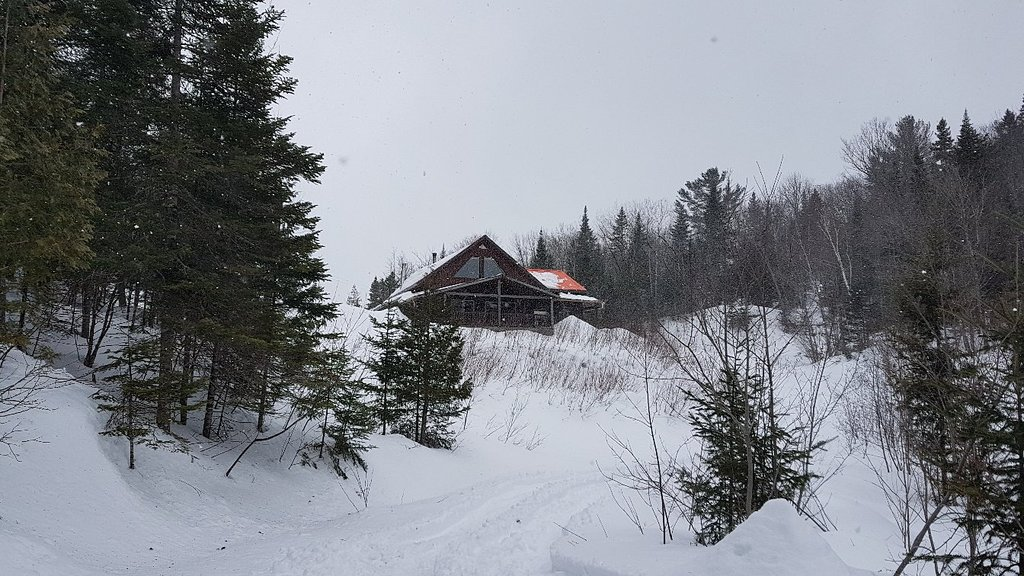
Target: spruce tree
<point>433,392</point>
<point>388,364</point>
<point>637,270</point>
<point>970,151</point>
<point>541,256</point>
<point>942,148</point>
<point>131,403</point>
<point>374,296</point>
<point>618,242</point>
<point>678,257</point>
<point>713,204</point>
<point>354,299</point>
<point>48,167</point>
<point>329,398</point>
<point>587,255</point>
<point>748,454</point>
<point>203,216</point>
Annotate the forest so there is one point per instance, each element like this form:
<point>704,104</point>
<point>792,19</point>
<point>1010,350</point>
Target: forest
<point>149,207</point>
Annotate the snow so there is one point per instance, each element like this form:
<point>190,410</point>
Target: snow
<point>548,279</point>
<point>774,541</point>
<point>523,493</point>
<point>414,278</point>
<point>576,297</point>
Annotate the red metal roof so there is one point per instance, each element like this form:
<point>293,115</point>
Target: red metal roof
<point>556,280</point>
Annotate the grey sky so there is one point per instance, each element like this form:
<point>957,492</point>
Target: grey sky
<point>440,120</point>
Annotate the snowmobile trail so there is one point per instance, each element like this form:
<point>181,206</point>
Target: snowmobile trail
<point>493,528</point>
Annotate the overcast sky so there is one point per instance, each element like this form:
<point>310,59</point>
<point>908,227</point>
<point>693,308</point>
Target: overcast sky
<point>442,120</point>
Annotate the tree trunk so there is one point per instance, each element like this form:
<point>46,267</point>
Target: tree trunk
<point>166,380</point>
<point>211,396</point>
<point>24,306</point>
<point>3,52</point>
<point>87,312</point>
<point>185,382</point>
<point>261,417</point>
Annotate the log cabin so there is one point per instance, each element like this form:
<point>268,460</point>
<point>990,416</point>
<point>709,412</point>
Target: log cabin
<point>482,285</point>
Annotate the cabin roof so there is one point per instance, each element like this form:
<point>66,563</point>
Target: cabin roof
<point>450,274</point>
<point>443,274</point>
<point>558,280</point>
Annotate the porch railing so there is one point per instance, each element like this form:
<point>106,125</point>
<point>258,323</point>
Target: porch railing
<point>507,319</point>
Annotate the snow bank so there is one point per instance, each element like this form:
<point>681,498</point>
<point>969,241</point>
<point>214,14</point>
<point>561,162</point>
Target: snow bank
<point>523,493</point>
<point>774,541</point>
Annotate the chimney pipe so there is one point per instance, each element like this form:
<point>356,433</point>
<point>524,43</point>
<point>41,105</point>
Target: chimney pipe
<point>433,256</point>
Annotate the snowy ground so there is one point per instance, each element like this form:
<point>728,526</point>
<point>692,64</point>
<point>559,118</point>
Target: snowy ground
<point>524,493</point>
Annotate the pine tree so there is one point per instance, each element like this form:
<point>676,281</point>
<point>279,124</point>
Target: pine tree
<point>132,402</point>
<point>942,148</point>
<point>354,298</point>
<point>389,366</point>
<point>638,274</point>
<point>375,296</point>
<point>586,255</point>
<point>748,455</point>
<point>541,257</point>
<point>970,151</point>
<point>332,400</point>
<point>713,205</point>
<point>617,238</point>
<point>434,391</point>
<point>47,161</point>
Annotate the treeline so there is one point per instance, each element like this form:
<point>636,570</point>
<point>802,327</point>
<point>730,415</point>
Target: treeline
<point>917,253</point>
<point>842,248</point>
<point>148,208</point>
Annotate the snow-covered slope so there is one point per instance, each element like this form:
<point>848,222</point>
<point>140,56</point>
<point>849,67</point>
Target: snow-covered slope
<point>524,492</point>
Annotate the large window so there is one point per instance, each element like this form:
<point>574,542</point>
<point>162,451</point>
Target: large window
<point>491,268</point>
<point>471,269</point>
<point>477,267</point>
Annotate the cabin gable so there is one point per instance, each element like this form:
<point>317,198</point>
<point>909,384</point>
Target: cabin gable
<point>482,285</point>
<point>482,258</point>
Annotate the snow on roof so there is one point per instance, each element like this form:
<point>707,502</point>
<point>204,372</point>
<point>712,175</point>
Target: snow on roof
<point>556,279</point>
<point>577,297</point>
<point>403,294</point>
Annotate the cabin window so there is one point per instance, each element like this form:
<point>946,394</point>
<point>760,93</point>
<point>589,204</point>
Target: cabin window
<point>491,268</point>
<point>471,269</point>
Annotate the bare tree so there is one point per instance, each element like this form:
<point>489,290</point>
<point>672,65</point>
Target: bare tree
<point>650,478</point>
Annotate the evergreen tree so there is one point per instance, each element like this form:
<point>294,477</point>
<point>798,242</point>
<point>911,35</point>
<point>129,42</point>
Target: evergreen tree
<point>638,272</point>
<point>330,398</point>
<point>48,167</point>
<point>618,242</point>
<point>200,210</point>
<point>391,283</point>
<point>586,255</point>
<point>389,366</point>
<point>713,205</point>
<point>748,455</point>
<point>678,257</point>
<point>433,392</point>
<point>541,257</point>
<point>970,150</point>
<point>354,297</point>
<point>132,402</point>
<point>1001,494</point>
<point>375,296</point>
<point>617,287</point>
<point>942,148</point>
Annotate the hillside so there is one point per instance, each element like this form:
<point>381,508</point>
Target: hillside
<point>525,491</point>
